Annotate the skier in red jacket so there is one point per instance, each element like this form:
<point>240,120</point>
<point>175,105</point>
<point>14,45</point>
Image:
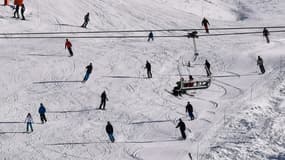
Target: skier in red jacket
<point>68,45</point>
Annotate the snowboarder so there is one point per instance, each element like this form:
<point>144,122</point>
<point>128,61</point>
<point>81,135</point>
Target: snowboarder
<point>42,111</point>
<point>109,130</point>
<point>86,20</point>
<point>266,35</point>
<point>260,64</point>
<point>207,67</point>
<point>68,45</point>
<point>88,72</point>
<point>104,98</point>
<point>29,121</point>
<point>148,68</point>
<point>23,9</point>
<point>150,36</point>
<point>205,23</point>
<point>189,110</point>
<point>16,13</point>
<point>182,128</point>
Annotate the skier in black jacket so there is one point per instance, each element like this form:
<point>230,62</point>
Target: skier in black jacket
<point>104,98</point>
<point>88,72</point>
<point>266,35</point>
<point>260,64</point>
<point>182,128</point>
<point>150,36</point>
<point>86,20</point>
<point>205,23</point>
<point>189,110</point>
<point>208,67</point>
<point>109,130</point>
<point>148,68</point>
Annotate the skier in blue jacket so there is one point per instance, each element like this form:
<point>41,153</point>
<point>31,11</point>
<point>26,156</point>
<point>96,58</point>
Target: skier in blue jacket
<point>42,111</point>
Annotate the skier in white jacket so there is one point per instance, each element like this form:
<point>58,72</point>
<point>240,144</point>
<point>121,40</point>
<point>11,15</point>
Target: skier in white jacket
<point>29,121</point>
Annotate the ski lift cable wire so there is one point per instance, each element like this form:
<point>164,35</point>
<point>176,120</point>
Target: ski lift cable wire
<point>148,30</point>
<point>132,37</point>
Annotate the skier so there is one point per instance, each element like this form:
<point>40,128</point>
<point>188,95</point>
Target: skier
<point>88,72</point>
<point>42,111</point>
<point>182,128</point>
<point>109,130</point>
<point>189,110</point>
<point>23,9</point>
<point>86,20</point>
<point>150,36</point>
<point>68,45</point>
<point>207,67</point>
<point>29,121</point>
<point>16,13</point>
<point>260,64</point>
<point>266,35</point>
<point>104,98</point>
<point>205,23</point>
<point>148,68</point>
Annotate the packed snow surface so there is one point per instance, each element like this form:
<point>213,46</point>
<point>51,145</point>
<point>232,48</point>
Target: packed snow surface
<point>240,116</point>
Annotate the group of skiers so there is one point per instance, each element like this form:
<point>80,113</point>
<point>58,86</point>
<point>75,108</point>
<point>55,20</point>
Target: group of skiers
<point>16,12</point>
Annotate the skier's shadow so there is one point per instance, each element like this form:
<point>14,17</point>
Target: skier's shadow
<point>51,82</point>
<point>124,77</point>
<point>13,132</point>
<point>10,122</point>
<point>67,25</point>
<point>46,55</point>
<point>145,122</point>
<point>100,142</point>
<point>74,111</point>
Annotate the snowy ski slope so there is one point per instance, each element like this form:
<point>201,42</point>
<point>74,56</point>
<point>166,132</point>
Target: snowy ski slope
<point>241,116</point>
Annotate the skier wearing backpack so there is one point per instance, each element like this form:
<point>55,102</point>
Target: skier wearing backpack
<point>266,35</point>
<point>148,68</point>
<point>205,23</point>
<point>189,110</point>
<point>29,121</point>
<point>42,111</point>
<point>104,98</point>
<point>86,20</point>
<point>260,64</point>
<point>208,67</point>
<point>182,127</point>
<point>109,130</point>
<point>88,72</point>
<point>68,45</point>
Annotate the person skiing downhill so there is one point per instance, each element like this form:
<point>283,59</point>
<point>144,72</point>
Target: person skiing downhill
<point>182,127</point>
<point>260,64</point>
<point>189,110</point>
<point>104,98</point>
<point>42,111</point>
<point>266,35</point>
<point>150,36</point>
<point>23,9</point>
<point>109,130</point>
<point>68,45</point>
<point>29,121</point>
<point>205,23</point>
<point>88,72</point>
<point>86,20</point>
<point>16,13</point>
<point>208,67</point>
<point>148,68</point>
